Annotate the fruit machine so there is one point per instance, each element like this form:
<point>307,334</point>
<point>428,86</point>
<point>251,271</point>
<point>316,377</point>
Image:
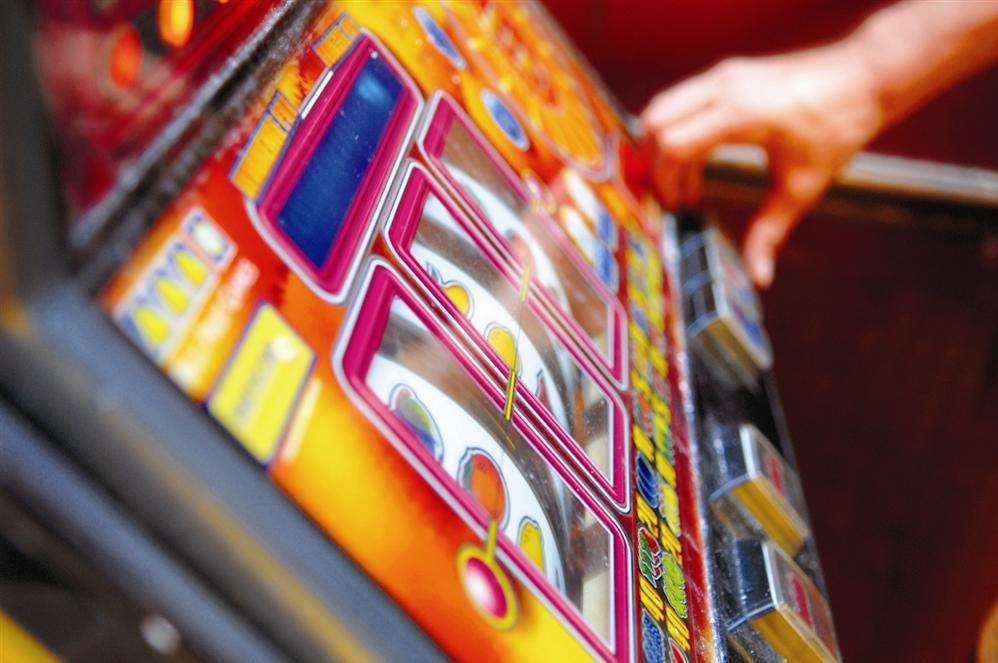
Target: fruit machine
<point>352,330</point>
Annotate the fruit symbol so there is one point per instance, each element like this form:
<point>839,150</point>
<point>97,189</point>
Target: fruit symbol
<point>458,294</point>
<point>503,342</point>
<point>417,418</point>
<point>152,326</point>
<point>456,291</point>
<point>193,269</point>
<point>529,541</point>
<point>481,477</point>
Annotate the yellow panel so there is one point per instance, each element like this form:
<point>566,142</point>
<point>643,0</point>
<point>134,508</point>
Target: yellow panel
<point>335,42</point>
<point>283,111</point>
<point>255,397</point>
<point>16,644</point>
<point>773,514</point>
<point>791,639</point>
<point>260,156</point>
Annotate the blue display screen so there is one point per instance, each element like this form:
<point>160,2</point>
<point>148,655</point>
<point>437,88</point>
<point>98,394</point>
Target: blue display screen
<point>312,216</point>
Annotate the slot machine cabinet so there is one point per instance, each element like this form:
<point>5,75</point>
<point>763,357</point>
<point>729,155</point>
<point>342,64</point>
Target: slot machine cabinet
<point>364,324</point>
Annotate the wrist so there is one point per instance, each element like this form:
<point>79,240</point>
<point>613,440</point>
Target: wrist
<point>863,104</point>
<point>871,93</point>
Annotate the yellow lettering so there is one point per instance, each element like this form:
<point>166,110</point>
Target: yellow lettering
<point>651,600</point>
<point>677,629</point>
<point>641,441</point>
<point>671,544</point>
<point>646,515</point>
<point>666,469</point>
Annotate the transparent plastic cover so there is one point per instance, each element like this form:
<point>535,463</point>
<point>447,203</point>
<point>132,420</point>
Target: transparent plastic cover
<point>416,377</point>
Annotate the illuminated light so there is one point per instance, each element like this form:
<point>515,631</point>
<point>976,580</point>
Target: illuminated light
<point>175,298</point>
<point>176,21</point>
<point>193,269</point>
<point>209,240</point>
<point>154,329</point>
<point>125,56</point>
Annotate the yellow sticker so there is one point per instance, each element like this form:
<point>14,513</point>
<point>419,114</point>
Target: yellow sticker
<point>256,395</point>
<point>331,46</point>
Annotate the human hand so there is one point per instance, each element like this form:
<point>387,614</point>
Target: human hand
<point>810,111</point>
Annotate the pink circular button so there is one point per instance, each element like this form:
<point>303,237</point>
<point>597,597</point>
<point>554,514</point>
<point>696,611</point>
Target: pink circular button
<point>487,586</point>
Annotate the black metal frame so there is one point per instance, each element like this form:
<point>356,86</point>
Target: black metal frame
<point>64,500</point>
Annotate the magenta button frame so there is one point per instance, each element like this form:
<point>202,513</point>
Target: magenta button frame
<point>359,340</point>
<point>440,115</point>
<point>332,278</point>
<point>399,231</point>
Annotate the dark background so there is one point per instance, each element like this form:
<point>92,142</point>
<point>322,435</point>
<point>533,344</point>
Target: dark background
<point>885,331</point>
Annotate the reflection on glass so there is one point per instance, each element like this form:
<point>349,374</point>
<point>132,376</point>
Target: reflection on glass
<point>492,304</point>
<point>423,384</point>
<point>528,237</point>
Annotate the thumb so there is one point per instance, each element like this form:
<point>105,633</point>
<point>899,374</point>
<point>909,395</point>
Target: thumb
<point>781,211</point>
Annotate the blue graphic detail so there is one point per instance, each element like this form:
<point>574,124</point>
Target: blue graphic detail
<point>637,246</point>
<point>606,227</point>
<point>504,117</point>
<point>439,38</point>
<point>751,327</point>
<point>647,482</point>
<point>652,639</point>
<point>606,268</point>
<point>642,321</point>
<point>314,213</point>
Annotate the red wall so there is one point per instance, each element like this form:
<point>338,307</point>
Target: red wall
<point>642,46</point>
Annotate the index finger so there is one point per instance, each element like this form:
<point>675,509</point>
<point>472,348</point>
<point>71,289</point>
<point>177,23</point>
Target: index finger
<point>678,102</point>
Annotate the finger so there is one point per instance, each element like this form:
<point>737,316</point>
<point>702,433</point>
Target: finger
<point>694,137</point>
<point>679,102</point>
<point>781,211</point>
<point>667,187</point>
<point>690,183</point>
<point>665,177</point>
